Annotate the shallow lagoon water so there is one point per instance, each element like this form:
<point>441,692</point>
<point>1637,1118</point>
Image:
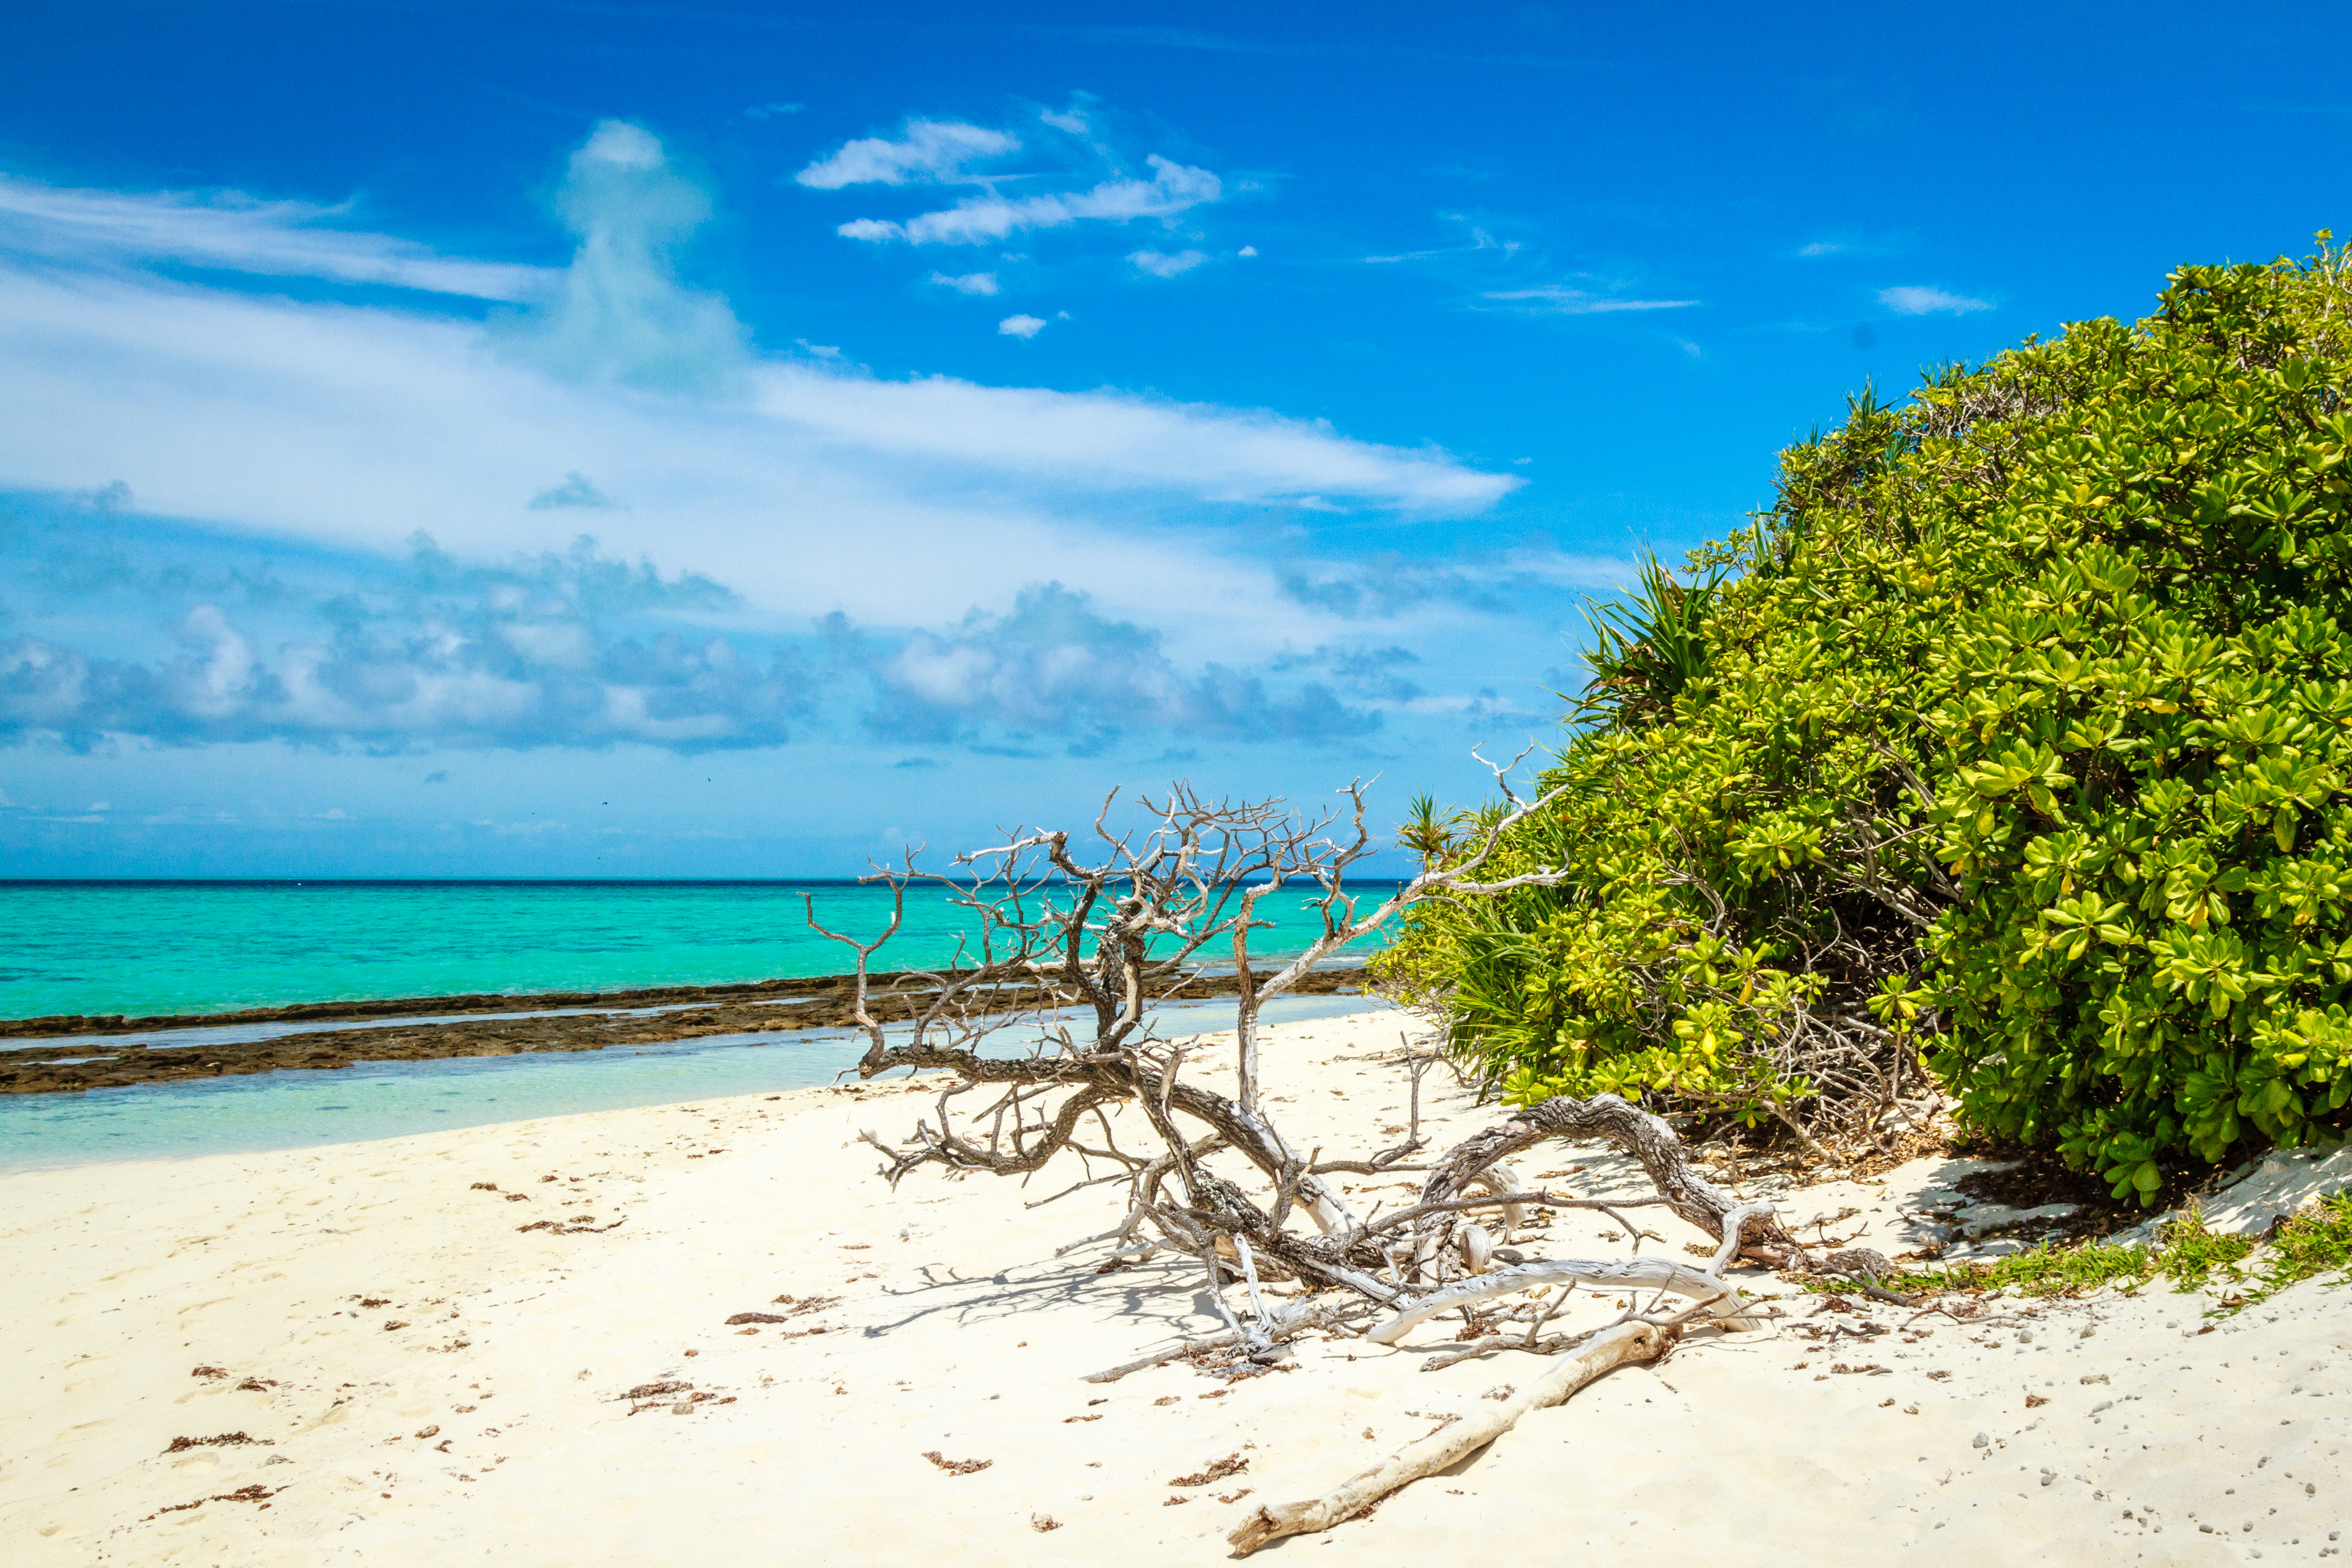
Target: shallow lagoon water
<point>147,948</point>
<point>369,1100</point>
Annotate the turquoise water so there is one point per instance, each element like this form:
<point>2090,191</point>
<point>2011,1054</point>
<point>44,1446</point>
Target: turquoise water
<point>392,1100</point>
<point>145,948</point>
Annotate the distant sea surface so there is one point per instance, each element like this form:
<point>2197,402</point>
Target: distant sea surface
<point>154,947</point>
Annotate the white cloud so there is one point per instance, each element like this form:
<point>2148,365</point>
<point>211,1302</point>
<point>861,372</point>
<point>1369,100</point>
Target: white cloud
<point>1913,300</point>
<point>621,144</point>
<point>1021,326</point>
<point>577,490</point>
<point>1560,301</point>
<point>970,283</point>
<point>1116,442</point>
<point>351,427</point>
<point>620,314</point>
<point>932,150</point>
<point>1824,247</point>
<point>237,233</point>
<point>1174,188</point>
<point>1246,250</point>
<point>547,653</point>
<point>1054,665</point>
<point>348,424</point>
<point>1163,266</point>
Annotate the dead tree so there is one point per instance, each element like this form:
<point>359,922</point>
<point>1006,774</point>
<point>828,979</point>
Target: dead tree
<point>1070,938</point>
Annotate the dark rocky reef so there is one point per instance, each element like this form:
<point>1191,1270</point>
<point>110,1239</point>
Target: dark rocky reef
<point>778,1006</point>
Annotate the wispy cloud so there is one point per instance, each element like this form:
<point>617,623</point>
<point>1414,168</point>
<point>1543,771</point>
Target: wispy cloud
<point>969,283</point>
<point>353,420</point>
<point>930,152</point>
<point>1554,301</point>
<point>1387,586</point>
<point>1480,239</point>
<point>237,233</point>
<point>1173,188</point>
<point>1021,326</point>
<point>1856,245</point>
<point>1913,300</point>
<point>1123,441</point>
<point>353,423</point>
<point>1165,266</point>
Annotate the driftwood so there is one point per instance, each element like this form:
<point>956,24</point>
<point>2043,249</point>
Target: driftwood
<point>1070,946</point>
<point>1712,1295</point>
<point>1604,1351</point>
<point>1102,935</point>
<point>1281,1326</point>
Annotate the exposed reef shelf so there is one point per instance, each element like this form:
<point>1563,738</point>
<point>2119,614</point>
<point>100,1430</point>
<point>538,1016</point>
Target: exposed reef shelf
<point>76,1054</point>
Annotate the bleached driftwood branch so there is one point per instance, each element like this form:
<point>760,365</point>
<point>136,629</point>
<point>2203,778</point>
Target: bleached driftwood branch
<point>1717,1298</point>
<point>1606,1351</point>
<point>1072,942</point>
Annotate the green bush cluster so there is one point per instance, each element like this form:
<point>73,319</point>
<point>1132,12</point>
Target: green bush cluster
<point>2019,734</point>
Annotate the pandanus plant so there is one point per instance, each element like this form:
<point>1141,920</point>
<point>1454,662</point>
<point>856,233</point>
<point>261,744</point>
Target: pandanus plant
<point>1647,646</point>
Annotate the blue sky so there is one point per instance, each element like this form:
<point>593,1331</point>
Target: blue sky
<point>636,439</point>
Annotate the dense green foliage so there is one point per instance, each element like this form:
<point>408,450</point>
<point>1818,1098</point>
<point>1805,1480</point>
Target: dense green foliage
<point>2017,736</point>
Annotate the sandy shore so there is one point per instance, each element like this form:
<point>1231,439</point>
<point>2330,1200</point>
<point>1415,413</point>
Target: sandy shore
<point>431,1370</point>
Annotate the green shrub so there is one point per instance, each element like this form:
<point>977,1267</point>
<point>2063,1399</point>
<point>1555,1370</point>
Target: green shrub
<point>2019,734</point>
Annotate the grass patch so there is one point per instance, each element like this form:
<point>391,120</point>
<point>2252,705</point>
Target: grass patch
<point>2316,1241</point>
<point>2045,1272</point>
<point>2067,1270</point>
<point>2192,1253</point>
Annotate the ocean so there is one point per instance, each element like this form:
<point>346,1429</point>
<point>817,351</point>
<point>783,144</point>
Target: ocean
<point>149,948</point>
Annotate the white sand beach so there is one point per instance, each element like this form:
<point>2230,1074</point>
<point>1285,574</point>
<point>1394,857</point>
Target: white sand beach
<point>431,1372</point>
